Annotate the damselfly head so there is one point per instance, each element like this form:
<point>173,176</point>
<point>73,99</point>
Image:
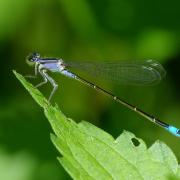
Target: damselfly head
<point>33,57</point>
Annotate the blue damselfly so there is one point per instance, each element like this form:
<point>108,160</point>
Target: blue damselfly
<point>137,73</point>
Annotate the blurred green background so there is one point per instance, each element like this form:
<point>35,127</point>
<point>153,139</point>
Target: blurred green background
<point>82,30</point>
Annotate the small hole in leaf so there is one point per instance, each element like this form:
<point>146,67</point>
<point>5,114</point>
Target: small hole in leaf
<point>135,142</point>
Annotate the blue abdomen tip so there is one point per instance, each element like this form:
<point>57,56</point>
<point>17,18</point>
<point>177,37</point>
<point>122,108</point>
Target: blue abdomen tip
<point>174,130</point>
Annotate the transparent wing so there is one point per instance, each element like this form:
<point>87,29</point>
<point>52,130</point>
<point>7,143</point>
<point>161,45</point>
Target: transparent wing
<point>134,73</point>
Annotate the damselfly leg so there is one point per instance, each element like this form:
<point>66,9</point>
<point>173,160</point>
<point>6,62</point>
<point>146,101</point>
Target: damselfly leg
<point>47,78</point>
<point>35,72</point>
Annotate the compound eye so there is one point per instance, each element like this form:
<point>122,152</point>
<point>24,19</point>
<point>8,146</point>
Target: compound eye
<point>33,57</point>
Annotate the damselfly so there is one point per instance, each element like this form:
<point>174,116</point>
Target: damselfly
<point>147,73</point>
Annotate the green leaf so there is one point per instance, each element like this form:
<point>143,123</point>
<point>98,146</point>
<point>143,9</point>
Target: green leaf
<point>90,153</point>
